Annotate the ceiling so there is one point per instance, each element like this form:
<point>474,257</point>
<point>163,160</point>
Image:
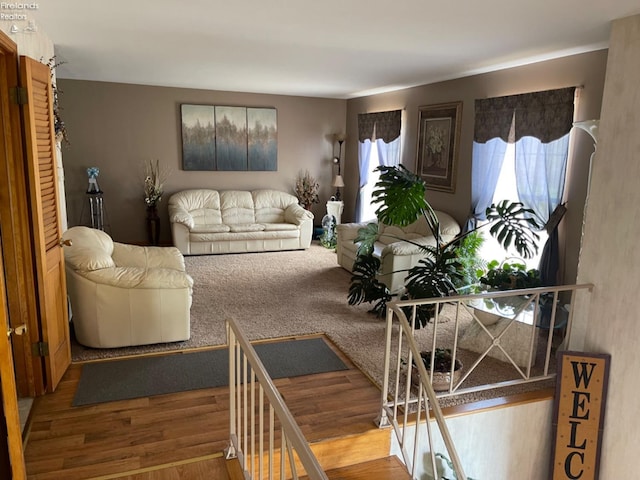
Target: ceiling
<point>333,49</point>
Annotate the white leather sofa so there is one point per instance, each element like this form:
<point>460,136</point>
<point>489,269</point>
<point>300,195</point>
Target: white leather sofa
<point>123,295</point>
<point>207,221</point>
<point>395,254</point>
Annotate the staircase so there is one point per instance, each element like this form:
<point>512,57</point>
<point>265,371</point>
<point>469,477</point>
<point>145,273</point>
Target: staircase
<point>274,430</point>
<point>386,468</point>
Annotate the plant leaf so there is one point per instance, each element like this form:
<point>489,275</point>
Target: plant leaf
<point>365,287</point>
<point>512,225</point>
<point>401,195</point>
<point>366,238</point>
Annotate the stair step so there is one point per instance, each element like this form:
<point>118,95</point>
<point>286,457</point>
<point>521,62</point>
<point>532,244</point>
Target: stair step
<point>234,470</point>
<point>388,468</point>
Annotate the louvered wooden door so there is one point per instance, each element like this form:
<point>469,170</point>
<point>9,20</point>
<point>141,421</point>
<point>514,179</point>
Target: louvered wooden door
<point>12,454</point>
<point>51,281</point>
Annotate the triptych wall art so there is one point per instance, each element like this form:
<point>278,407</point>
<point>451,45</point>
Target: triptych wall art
<point>229,138</point>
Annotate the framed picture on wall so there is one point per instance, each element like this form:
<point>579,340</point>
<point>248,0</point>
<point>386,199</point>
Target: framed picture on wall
<point>229,138</point>
<point>438,139</point>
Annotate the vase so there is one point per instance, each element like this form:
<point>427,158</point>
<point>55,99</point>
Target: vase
<point>153,225</point>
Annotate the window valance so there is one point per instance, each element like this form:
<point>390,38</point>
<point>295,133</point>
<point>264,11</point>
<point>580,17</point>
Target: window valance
<point>385,125</point>
<point>546,115</point>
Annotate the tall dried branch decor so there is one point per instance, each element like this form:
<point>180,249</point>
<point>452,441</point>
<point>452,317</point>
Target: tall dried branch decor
<point>154,178</point>
<point>307,189</point>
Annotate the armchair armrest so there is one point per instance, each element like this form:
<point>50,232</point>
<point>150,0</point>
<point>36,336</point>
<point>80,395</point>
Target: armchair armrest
<point>178,214</point>
<point>138,277</point>
<point>125,255</point>
<point>165,257</point>
<point>297,215</point>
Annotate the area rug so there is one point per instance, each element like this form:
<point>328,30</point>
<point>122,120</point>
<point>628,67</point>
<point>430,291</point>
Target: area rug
<point>156,375</point>
<point>295,293</point>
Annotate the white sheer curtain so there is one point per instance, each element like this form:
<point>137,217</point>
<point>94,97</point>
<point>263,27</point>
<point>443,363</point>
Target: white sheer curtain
<point>485,170</point>
<point>540,178</point>
<point>364,196</point>
<point>379,139</point>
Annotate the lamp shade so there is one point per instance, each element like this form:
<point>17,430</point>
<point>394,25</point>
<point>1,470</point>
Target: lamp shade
<point>338,181</point>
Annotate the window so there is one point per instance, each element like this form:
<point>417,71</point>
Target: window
<point>534,128</point>
<point>506,190</point>
<point>368,209</point>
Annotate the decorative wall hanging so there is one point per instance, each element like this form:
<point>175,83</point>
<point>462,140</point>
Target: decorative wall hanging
<point>229,138</point>
<point>582,383</point>
<point>438,139</point>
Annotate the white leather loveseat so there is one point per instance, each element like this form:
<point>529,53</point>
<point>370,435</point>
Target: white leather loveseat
<point>123,295</point>
<point>395,254</point>
<point>207,221</point>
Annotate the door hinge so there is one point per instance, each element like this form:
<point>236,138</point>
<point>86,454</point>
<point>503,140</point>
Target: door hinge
<point>40,349</point>
<point>18,95</point>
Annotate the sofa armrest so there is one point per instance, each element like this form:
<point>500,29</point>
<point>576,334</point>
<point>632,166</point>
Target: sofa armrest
<point>403,247</point>
<point>349,231</point>
<point>178,214</point>
<point>125,255</point>
<point>138,277</point>
<point>297,215</point>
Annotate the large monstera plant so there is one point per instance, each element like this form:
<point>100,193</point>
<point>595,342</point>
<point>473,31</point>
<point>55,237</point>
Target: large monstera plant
<point>401,198</point>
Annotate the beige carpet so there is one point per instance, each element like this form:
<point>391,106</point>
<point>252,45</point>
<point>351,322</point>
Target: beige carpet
<point>281,294</point>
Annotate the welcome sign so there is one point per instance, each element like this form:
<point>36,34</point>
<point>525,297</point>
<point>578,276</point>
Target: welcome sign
<point>578,417</point>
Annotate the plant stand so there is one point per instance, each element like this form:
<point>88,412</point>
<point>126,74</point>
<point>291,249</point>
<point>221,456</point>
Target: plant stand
<point>153,226</point>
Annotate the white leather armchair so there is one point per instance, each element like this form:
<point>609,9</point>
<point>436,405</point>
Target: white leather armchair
<point>123,295</point>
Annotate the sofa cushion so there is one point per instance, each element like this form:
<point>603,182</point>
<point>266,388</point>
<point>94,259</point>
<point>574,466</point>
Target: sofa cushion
<point>237,207</point>
<point>246,227</point>
<point>279,226</point>
<point>210,228</point>
<point>235,236</point>
<point>196,199</point>
<point>206,216</point>
<point>195,207</point>
<point>270,205</point>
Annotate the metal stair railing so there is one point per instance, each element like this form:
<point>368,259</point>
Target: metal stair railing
<point>253,401</point>
<point>426,397</point>
<point>403,407</point>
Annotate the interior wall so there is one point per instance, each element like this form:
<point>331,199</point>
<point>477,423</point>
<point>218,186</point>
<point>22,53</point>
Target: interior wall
<point>117,127</point>
<point>610,257</point>
<point>512,442</point>
<point>585,70</point>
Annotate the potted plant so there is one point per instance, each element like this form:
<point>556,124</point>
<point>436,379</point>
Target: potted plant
<point>510,274</point>
<point>442,363</point>
<point>401,195</point>
<point>472,266</point>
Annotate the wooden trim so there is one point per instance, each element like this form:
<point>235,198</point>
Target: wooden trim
<point>16,231</point>
<point>11,440</point>
<point>159,467</point>
<point>499,402</point>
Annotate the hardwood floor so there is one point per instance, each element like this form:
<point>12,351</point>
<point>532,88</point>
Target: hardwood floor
<point>182,435</point>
